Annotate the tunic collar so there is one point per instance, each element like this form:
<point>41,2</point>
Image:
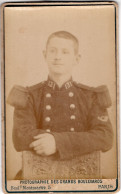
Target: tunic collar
<point>54,86</point>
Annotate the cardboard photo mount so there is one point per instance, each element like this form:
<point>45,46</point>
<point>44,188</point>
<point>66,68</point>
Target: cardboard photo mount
<point>99,172</point>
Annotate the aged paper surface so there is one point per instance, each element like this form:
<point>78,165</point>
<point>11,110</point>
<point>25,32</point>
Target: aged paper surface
<point>80,149</point>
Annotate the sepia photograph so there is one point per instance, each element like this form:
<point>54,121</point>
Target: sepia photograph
<point>60,96</point>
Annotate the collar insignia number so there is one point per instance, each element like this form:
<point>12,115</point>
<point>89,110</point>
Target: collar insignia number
<point>51,84</point>
<point>68,84</point>
<point>103,118</point>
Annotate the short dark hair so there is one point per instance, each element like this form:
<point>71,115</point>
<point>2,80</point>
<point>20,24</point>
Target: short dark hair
<point>65,35</point>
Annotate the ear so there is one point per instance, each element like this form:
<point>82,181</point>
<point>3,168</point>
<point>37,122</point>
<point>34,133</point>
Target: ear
<point>44,53</point>
<point>78,58</point>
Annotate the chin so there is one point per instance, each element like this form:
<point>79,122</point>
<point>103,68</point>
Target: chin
<point>58,72</point>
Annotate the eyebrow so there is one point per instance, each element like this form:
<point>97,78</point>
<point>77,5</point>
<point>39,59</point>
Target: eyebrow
<point>56,47</point>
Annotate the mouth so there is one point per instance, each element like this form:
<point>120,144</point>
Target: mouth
<point>58,64</point>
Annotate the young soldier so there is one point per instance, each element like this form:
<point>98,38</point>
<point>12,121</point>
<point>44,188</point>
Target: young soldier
<point>59,119</point>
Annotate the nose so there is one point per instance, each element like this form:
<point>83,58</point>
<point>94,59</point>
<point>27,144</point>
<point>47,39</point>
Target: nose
<point>58,55</point>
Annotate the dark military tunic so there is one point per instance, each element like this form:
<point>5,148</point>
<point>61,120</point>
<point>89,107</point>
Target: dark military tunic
<point>75,114</point>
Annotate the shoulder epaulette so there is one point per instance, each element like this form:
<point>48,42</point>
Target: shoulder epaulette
<point>102,93</point>
<point>103,96</point>
<point>19,95</point>
<point>36,86</point>
<point>82,86</point>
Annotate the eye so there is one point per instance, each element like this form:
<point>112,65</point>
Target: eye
<point>65,52</point>
<point>52,50</point>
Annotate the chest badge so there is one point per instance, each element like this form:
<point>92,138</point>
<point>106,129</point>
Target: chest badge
<point>103,118</point>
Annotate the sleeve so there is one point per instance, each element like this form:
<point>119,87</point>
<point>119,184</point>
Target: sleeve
<point>24,127</point>
<point>97,137</point>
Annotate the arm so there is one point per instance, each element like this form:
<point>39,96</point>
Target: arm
<point>24,122</point>
<point>24,127</point>
<point>98,136</point>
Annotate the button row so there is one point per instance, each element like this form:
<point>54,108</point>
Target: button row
<point>71,94</point>
<point>72,117</point>
<point>72,106</point>
<point>71,129</point>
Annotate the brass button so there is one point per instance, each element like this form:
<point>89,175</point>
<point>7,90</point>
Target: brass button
<point>48,95</point>
<point>47,119</point>
<point>72,129</point>
<point>72,106</point>
<point>72,117</point>
<point>48,107</point>
<point>48,130</point>
<point>71,94</point>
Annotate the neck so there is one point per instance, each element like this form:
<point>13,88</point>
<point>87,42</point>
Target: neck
<point>60,79</point>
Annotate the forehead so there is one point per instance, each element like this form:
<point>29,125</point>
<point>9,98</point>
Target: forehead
<point>59,42</point>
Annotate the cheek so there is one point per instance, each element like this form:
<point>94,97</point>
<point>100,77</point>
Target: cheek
<point>71,60</point>
<point>49,58</point>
